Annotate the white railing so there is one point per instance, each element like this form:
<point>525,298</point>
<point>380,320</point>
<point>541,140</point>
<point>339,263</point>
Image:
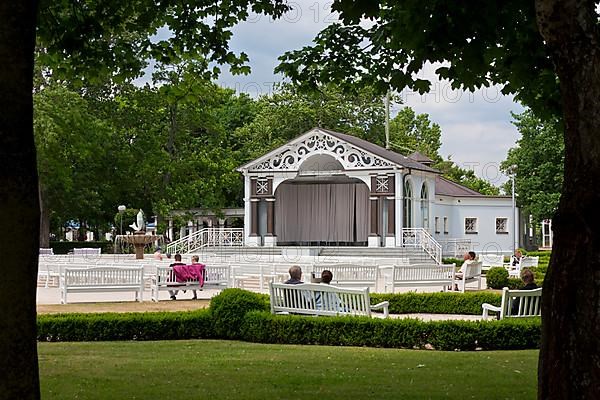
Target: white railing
<point>455,247</point>
<point>419,237</point>
<point>207,237</point>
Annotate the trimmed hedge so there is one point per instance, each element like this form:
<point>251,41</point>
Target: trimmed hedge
<point>240,314</point>
<point>229,307</point>
<point>66,247</point>
<point>263,327</point>
<point>437,303</point>
<point>125,326</point>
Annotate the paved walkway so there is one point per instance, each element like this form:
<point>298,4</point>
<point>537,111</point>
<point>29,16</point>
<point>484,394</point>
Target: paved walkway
<point>48,300</point>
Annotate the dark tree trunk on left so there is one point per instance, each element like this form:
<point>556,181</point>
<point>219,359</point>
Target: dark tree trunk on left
<point>19,204</point>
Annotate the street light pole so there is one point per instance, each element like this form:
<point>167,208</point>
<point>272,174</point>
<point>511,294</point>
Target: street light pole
<point>515,226</point>
<point>121,209</point>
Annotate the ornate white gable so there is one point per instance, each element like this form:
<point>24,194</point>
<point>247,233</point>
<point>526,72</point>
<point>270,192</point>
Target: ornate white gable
<point>292,155</point>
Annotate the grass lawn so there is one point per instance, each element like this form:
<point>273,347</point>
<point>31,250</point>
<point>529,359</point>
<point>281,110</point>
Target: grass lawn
<point>207,369</point>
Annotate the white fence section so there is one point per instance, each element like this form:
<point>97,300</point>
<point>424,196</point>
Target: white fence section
<point>419,237</point>
<point>207,237</point>
<point>455,247</point>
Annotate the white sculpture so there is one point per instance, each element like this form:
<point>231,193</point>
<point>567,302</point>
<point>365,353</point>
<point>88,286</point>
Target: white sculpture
<point>139,225</point>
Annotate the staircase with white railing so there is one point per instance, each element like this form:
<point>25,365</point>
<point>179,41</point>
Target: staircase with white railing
<point>420,238</point>
<point>207,237</point>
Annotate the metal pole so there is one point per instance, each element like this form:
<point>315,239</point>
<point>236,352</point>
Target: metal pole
<point>515,226</point>
<point>387,120</point>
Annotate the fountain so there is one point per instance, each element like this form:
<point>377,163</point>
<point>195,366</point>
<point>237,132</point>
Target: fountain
<point>139,239</point>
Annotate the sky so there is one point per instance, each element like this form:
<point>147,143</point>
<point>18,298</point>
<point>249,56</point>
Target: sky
<point>476,127</point>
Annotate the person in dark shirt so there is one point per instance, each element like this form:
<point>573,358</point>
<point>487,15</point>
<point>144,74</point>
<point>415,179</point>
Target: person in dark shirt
<point>529,281</point>
<point>295,275</point>
<point>173,293</point>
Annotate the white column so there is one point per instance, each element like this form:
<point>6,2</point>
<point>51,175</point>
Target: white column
<point>246,208</point>
<point>170,230</point>
<point>399,207</point>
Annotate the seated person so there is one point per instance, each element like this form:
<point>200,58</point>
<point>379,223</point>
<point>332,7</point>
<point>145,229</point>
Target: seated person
<point>468,258</point>
<point>173,293</point>
<point>516,258</point>
<point>326,298</point>
<point>529,280</point>
<point>157,254</point>
<point>295,275</point>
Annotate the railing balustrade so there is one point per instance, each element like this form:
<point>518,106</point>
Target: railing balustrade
<point>206,237</point>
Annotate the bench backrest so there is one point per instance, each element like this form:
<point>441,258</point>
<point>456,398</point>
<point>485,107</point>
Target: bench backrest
<point>492,260</point>
<point>102,276</point>
<point>521,303</point>
<point>213,275</point>
<point>472,270</point>
<point>348,273</point>
<point>319,299</point>
<point>529,262</point>
<point>423,272</point>
<point>46,252</point>
<point>87,251</point>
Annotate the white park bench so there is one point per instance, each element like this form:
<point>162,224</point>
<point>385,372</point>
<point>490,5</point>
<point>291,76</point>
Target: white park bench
<point>491,260</point>
<point>526,262</point>
<point>322,299</point>
<point>423,275</point>
<point>87,251</point>
<point>46,251</point>
<point>347,274</point>
<point>471,273</point>
<point>215,277</point>
<point>101,279</point>
<point>516,304</point>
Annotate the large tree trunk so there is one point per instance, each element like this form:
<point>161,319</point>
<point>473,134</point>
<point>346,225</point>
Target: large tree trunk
<point>44,222</point>
<point>19,203</point>
<point>569,366</point>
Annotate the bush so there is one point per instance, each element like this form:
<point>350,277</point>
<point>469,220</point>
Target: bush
<point>66,247</point>
<point>397,333</point>
<point>125,326</point>
<point>497,277</point>
<point>456,261</point>
<point>229,307</point>
<point>437,303</point>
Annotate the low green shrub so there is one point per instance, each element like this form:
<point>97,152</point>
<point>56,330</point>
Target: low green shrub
<point>497,277</point>
<point>66,247</point>
<point>397,333</point>
<point>437,303</point>
<point>230,306</point>
<point>456,261</point>
<point>125,326</point>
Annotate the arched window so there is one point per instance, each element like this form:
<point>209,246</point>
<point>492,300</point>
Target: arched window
<point>425,206</point>
<point>407,216</point>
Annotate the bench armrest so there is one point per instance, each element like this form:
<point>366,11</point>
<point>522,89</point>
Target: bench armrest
<point>385,305</point>
<point>488,307</point>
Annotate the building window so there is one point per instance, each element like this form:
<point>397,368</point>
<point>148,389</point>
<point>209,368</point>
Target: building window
<point>437,224</point>
<point>407,220</point>
<point>425,206</point>
<point>470,225</point>
<point>445,225</point>
<point>501,225</point>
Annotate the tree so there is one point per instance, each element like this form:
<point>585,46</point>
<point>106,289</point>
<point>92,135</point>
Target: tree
<point>547,53</point>
<point>537,163</point>
<point>410,132</point>
<point>90,40</point>
<point>288,112</point>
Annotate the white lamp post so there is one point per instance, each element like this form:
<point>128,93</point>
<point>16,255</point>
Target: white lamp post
<point>121,209</point>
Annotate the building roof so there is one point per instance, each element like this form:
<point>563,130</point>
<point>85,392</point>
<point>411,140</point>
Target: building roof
<point>380,151</point>
<point>423,159</point>
<point>445,187</point>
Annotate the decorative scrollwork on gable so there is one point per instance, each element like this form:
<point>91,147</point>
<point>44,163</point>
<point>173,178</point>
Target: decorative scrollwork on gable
<point>293,155</point>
